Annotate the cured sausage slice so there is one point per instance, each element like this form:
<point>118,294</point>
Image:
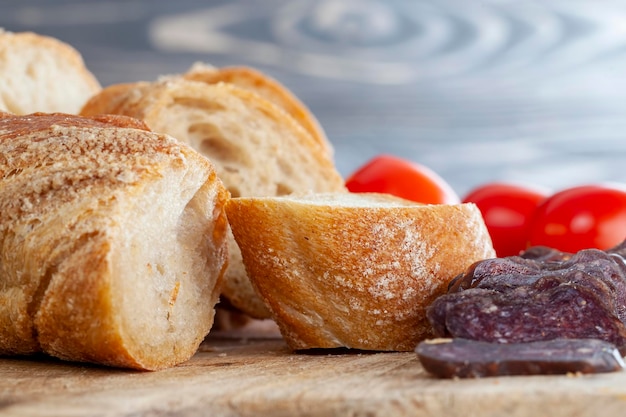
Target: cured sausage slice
<point>462,358</point>
<point>541,295</point>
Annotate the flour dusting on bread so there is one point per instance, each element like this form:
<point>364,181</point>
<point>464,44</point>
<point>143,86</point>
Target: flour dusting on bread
<point>354,270</point>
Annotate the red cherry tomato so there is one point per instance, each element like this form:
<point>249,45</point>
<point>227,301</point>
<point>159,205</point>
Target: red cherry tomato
<point>586,216</point>
<point>402,178</point>
<point>507,209</point>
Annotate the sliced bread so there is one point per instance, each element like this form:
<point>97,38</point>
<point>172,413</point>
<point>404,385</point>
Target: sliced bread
<point>354,270</point>
<point>256,147</point>
<point>113,241</point>
<point>265,86</point>
<point>42,74</point>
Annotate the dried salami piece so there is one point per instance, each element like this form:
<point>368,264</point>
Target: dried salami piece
<point>545,254</point>
<point>462,358</point>
<point>517,270</point>
<point>540,295</point>
<point>550,309</point>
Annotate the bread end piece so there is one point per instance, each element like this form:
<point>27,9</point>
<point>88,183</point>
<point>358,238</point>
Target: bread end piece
<point>114,241</point>
<point>354,270</point>
<point>267,87</point>
<point>42,74</point>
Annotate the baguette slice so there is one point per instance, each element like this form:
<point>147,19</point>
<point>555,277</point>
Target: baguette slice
<point>257,149</point>
<point>268,88</point>
<point>42,74</point>
<point>354,270</point>
<point>113,241</point>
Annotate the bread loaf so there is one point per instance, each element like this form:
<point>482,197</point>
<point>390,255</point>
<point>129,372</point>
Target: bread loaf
<point>113,241</point>
<point>268,88</point>
<point>42,74</point>
<point>354,270</point>
<point>257,149</point>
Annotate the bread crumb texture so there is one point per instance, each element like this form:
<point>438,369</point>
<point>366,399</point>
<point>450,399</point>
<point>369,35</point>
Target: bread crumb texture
<point>257,147</point>
<point>42,74</point>
<point>112,241</point>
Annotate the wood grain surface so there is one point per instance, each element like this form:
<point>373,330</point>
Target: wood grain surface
<point>260,376</point>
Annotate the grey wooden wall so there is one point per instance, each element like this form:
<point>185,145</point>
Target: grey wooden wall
<point>479,90</point>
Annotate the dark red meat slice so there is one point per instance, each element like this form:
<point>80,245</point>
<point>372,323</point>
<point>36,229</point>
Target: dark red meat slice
<point>462,358</point>
<point>541,295</point>
<point>518,271</point>
<point>550,309</point>
<point>516,305</point>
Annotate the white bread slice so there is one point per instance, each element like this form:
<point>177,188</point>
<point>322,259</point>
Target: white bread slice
<point>42,74</point>
<point>268,88</point>
<point>257,149</point>
<point>354,270</point>
<point>113,241</point>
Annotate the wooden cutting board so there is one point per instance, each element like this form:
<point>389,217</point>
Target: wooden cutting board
<point>255,376</point>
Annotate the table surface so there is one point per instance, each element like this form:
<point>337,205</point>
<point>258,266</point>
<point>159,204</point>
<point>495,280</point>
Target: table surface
<point>484,90</point>
<point>252,376</point>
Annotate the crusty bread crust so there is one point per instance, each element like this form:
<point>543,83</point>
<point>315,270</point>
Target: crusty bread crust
<point>113,241</point>
<point>268,88</point>
<point>257,148</point>
<point>42,74</point>
<point>110,99</point>
<point>354,270</point>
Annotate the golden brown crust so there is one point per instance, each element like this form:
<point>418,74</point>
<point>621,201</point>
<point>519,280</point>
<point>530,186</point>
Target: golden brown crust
<point>113,241</point>
<point>11,126</point>
<point>256,147</point>
<point>42,74</point>
<point>354,271</point>
<point>108,100</point>
<point>268,88</point>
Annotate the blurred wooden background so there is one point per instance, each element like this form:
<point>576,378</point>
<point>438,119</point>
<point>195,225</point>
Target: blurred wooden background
<point>478,90</point>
